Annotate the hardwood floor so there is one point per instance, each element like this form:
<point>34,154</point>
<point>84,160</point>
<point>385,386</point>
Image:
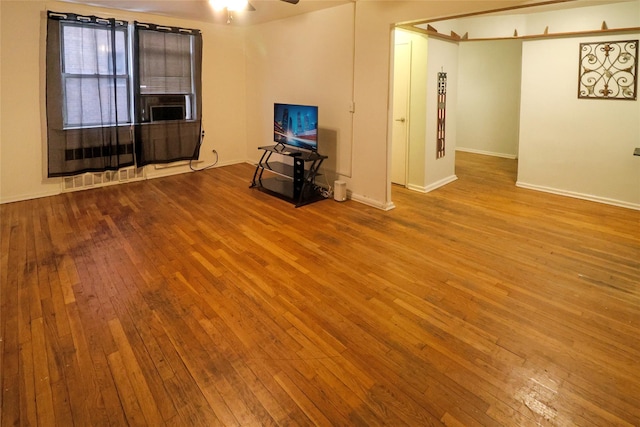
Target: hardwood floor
<point>194,300</point>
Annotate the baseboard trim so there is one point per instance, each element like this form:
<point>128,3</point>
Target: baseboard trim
<point>434,185</point>
<point>159,173</point>
<point>488,153</point>
<point>371,202</point>
<point>575,195</point>
<point>24,197</point>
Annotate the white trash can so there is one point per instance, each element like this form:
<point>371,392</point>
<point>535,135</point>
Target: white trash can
<point>340,191</point>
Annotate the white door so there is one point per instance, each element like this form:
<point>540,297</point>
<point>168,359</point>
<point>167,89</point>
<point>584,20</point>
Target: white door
<point>399,139</point>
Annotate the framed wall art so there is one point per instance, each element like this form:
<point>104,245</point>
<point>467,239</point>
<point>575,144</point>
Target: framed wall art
<point>442,109</point>
<point>608,70</point>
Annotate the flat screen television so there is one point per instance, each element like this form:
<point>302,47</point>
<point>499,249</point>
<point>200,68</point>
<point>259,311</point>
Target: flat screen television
<point>296,125</point>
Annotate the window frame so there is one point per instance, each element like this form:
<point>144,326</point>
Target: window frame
<point>127,77</point>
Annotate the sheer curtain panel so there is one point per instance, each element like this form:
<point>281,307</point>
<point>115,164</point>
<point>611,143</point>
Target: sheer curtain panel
<point>168,90</point>
<point>87,95</point>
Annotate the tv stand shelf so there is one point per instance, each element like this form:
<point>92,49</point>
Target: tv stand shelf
<point>295,182</point>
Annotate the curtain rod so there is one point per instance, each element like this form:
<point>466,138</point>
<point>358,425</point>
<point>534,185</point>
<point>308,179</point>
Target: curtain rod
<point>165,28</point>
<point>72,17</point>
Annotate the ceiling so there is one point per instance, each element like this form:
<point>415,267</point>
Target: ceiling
<point>200,10</point>
<point>271,10</point>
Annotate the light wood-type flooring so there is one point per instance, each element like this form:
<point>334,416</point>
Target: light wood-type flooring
<point>194,300</point>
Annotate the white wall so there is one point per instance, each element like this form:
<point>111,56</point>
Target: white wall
<point>23,168</point>
<point>578,147</point>
<point>489,97</point>
<point>223,93</point>
<point>306,59</point>
<point>443,56</point>
<point>22,159</point>
<point>625,14</point>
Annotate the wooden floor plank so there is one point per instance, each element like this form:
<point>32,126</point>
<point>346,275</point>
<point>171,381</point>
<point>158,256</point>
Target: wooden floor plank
<point>195,300</point>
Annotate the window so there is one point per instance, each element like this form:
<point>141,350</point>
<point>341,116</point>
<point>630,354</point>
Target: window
<point>95,75</point>
<point>115,101</point>
<point>168,93</point>
<point>165,62</point>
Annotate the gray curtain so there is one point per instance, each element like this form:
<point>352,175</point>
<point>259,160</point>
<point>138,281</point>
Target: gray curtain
<point>168,91</point>
<point>87,95</point>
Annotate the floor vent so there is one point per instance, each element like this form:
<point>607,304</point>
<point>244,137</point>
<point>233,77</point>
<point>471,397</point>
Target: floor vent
<point>101,179</point>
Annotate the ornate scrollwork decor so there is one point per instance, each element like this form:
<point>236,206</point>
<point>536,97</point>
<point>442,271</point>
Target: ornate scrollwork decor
<point>608,70</point>
<point>442,109</point>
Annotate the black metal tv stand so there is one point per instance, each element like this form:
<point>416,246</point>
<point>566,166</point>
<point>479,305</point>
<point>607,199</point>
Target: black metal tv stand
<point>295,182</point>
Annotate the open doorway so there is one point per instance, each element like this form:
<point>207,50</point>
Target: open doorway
<point>414,160</point>
<point>482,104</point>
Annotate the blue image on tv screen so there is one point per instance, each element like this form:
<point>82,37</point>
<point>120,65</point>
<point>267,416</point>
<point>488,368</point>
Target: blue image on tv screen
<point>296,125</point>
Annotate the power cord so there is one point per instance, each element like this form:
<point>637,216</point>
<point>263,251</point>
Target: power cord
<point>326,192</point>
<point>198,145</point>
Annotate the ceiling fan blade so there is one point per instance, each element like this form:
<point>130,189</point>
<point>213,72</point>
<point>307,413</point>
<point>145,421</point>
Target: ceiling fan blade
<point>291,1</point>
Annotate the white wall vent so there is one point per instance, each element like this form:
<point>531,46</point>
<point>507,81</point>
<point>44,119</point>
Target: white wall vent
<point>101,179</point>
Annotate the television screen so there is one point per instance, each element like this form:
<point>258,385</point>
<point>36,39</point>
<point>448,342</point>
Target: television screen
<point>296,125</point>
